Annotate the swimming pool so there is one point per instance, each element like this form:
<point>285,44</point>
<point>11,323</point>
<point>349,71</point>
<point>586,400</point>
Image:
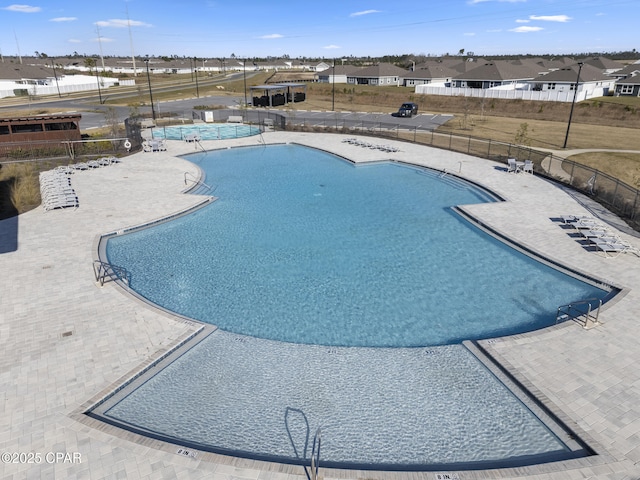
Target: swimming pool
<point>308,256</point>
<point>307,248</point>
<point>216,131</point>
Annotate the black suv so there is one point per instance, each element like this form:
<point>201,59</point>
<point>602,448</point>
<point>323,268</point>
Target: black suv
<point>407,110</point>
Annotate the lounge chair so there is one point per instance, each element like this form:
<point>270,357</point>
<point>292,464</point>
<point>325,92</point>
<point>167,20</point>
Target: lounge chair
<point>512,166</point>
<point>587,224</point>
<point>574,218</point>
<point>613,249</point>
<point>528,167</point>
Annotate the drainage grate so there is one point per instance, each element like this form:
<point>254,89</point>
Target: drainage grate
<point>67,334</point>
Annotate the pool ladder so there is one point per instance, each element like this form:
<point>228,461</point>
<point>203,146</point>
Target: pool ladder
<point>582,312</point>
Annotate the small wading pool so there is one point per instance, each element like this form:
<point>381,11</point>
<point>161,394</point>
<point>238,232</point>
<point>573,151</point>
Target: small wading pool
<point>207,132</point>
<point>304,257</point>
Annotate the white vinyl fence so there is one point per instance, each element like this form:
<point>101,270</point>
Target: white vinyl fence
<point>545,96</point>
<point>34,90</point>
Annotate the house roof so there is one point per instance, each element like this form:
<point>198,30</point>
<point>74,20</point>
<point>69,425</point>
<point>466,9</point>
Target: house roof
<point>432,71</point>
<point>17,71</point>
<point>381,70</point>
<point>341,70</point>
<point>569,74</point>
<point>603,63</point>
<point>626,71</point>
<point>500,70</point>
<point>630,80</point>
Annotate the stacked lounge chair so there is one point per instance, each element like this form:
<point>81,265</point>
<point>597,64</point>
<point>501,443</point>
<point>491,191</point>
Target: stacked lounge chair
<point>603,238</point>
<point>373,146</point>
<point>56,190</point>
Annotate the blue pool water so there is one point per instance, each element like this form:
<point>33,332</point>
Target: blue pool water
<point>383,408</point>
<point>304,256</point>
<point>207,131</point>
<point>304,247</point>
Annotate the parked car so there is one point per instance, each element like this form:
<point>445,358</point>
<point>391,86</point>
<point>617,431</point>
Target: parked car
<point>407,109</point>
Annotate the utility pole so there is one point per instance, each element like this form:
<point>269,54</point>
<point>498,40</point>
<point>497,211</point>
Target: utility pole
<point>575,93</point>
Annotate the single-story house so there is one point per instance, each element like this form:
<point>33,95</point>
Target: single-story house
<point>592,82</point>
<point>495,74</point>
<point>383,74</point>
<point>434,74</point>
<point>337,74</point>
<point>629,86</point>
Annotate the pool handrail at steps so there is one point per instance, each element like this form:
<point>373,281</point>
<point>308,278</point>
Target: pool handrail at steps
<point>573,311</point>
<point>195,180</point>
<point>105,271</point>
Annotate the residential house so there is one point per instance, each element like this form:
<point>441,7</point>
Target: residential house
<point>383,74</point>
<point>592,82</point>
<point>433,73</point>
<point>629,86</point>
<point>337,74</point>
<point>500,73</point>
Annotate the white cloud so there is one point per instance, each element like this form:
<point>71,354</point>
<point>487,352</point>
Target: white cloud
<point>469,34</point>
<point>74,40</point>
<point>22,8</point>
<point>550,18</point>
<point>525,29</point>
<point>331,47</point>
<point>63,19</point>
<point>520,20</point>
<point>364,12</point>
<point>102,39</point>
<point>119,23</point>
<point>271,36</point>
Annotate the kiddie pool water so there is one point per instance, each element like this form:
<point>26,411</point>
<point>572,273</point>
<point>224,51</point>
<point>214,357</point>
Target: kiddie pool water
<point>207,131</point>
<point>305,256</point>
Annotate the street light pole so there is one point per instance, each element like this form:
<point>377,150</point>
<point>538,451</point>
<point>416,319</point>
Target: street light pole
<point>153,111</point>
<point>195,62</point>
<point>333,93</point>
<point>575,93</point>
<point>56,76</point>
<point>244,75</point>
<point>98,82</point>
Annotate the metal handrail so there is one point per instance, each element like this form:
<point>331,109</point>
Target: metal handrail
<point>105,271</point>
<point>315,456</point>
<point>572,311</point>
<point>195,180</point>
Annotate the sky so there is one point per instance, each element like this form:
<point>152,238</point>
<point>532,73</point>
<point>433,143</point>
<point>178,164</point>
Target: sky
<point>317,28</point>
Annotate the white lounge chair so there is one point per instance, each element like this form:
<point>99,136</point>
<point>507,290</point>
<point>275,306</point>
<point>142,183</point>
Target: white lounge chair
<point>613,249</point>
<point>574,218</point>
<point>528,167</point>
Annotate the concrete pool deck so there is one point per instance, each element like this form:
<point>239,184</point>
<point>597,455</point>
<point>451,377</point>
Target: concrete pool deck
<point>66,341</point>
